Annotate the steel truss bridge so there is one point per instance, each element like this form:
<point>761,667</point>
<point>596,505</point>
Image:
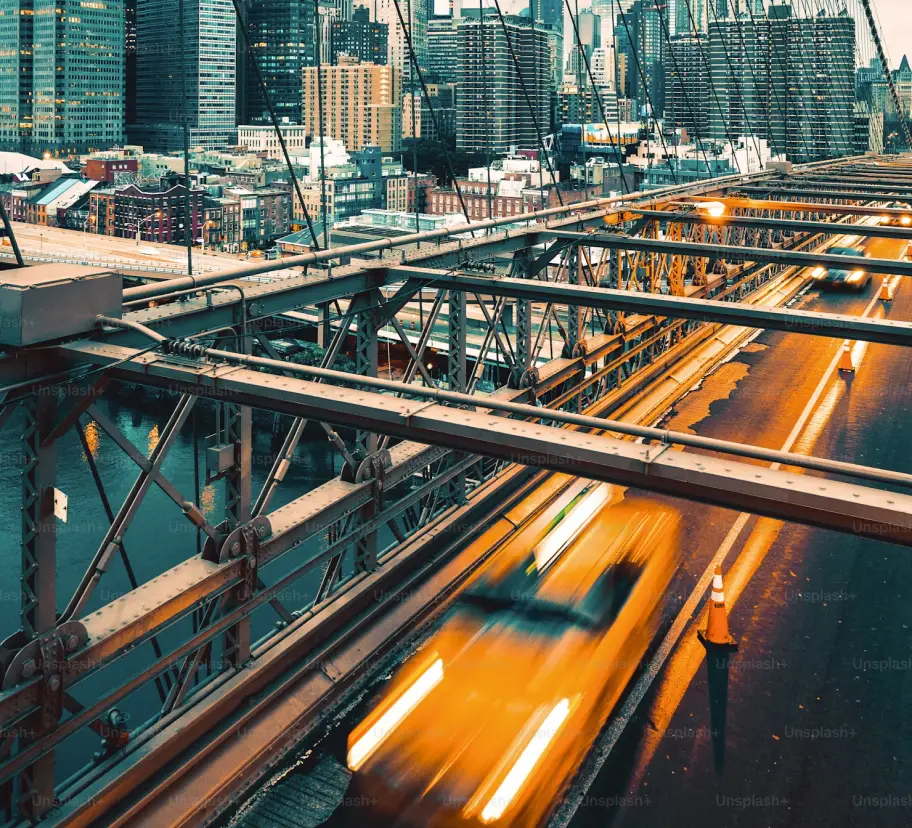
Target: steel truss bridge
<point>632,286</point>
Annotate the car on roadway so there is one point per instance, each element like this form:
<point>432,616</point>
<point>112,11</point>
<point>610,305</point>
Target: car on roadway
<point>836,278</point>
<point>487,724</point>
<point>895,220</point>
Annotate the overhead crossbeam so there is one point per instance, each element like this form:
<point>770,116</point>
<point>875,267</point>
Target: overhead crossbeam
<point>776,206</point>
<point>881,195</point>
<point>844,507</point>
<point>740,254</point>
<point>875,185</point>
<point>872,230</point>
<point>883,331</point>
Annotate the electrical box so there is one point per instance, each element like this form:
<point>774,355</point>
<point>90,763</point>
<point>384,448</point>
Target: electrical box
<point>54,301</point>
<point>219,458</point>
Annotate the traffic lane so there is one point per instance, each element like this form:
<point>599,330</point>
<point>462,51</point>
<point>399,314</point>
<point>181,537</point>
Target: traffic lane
<point>353,810</point>
<point>817,687</point>
<point>756,397</point>
<point>760,408</point>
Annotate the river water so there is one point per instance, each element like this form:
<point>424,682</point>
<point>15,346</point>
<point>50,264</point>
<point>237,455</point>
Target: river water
<point>159,536</point>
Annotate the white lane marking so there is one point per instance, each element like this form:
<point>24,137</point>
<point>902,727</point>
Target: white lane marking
<point>605,744</point>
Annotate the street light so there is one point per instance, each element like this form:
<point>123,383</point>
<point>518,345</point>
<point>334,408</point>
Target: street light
<point>714,209</point>
<point>208,223</point>
<point>156,215</point>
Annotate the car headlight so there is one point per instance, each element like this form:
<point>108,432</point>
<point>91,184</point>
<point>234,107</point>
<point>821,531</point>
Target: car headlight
<point>818,272</point>
<point>882,220</point>
<point>906,220</point>
<point>856,275</point>
<point>524,765</point>
<point>404,705</point>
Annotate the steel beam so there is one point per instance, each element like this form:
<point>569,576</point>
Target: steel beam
<point>741,254</point>
<point>38,599</point>
<point>774,206</point>
<point>883,331</point>
<point>826,183</point>
<point>875,231</point>
<point>845,507</point>
<point>851,195</point>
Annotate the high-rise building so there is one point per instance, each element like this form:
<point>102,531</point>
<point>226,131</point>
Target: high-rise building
<point>606,11</point>
<point>331,12</point>
<point>443,122</point>
<point>411,115</point>
<point>550,14</point>
<point>359,38</point>
<point>416,14</point>
<point>283,35</point>
<point>602,65</point>
<point>687,95</point>
<point>787,80</point>
<point>588,25</point>
<point>129,61</point>
<point>361,104</point>
<point>732,9</point>
<point>193,80</point>
<point>492,113</point>
<point>443,50</point>
<point>685,17</point>
<point>61,75</point>
<point>640,35</point>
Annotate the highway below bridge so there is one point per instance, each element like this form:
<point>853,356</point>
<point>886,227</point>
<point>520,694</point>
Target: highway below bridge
<point>225,684</point>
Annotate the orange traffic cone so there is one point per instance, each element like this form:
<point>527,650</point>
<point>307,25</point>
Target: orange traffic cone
<point>845,358</point>
<point>886,291</point>
<point>716,633</point>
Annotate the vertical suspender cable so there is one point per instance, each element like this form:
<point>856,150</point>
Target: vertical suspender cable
<point>427,98</point>
<point>317,40</point>
<point>188,230</point>
<point>248,47</point>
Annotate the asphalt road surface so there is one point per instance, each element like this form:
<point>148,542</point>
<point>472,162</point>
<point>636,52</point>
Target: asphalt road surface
<point>808,723</point>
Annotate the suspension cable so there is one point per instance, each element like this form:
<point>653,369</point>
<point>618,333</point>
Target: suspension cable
<point>427,97</point>
<point>245,34</point>
<point>528,98</point>
<point>601,104</point>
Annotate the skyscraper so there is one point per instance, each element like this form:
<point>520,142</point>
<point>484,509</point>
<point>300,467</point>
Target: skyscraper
<point>283,35</point>
<point>550,13</point>
<point>331,11</point>
<point>492,114</point>
<point>443,49</point>
<point>640,35</point>
<point>786,79</point>
<point>416,14</point>
<point>194,80</point>
<point>688,16</point>
<point>361,104</point>
<point>687,97</point>
<point>61,75</point>
<point>360,38</point>
<point>731,9</point>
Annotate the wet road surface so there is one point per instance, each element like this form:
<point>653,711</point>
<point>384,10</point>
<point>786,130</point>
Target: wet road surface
<point>808,723</point>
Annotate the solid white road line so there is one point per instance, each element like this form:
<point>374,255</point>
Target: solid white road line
<point>606,742</point>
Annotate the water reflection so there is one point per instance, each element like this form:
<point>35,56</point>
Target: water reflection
<point>92,439</point>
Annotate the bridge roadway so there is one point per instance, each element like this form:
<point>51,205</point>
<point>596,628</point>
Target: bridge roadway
<point>55,244</point>
<point>816,731</point>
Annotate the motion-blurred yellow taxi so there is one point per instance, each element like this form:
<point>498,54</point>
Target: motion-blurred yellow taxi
<point>488,723</point>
